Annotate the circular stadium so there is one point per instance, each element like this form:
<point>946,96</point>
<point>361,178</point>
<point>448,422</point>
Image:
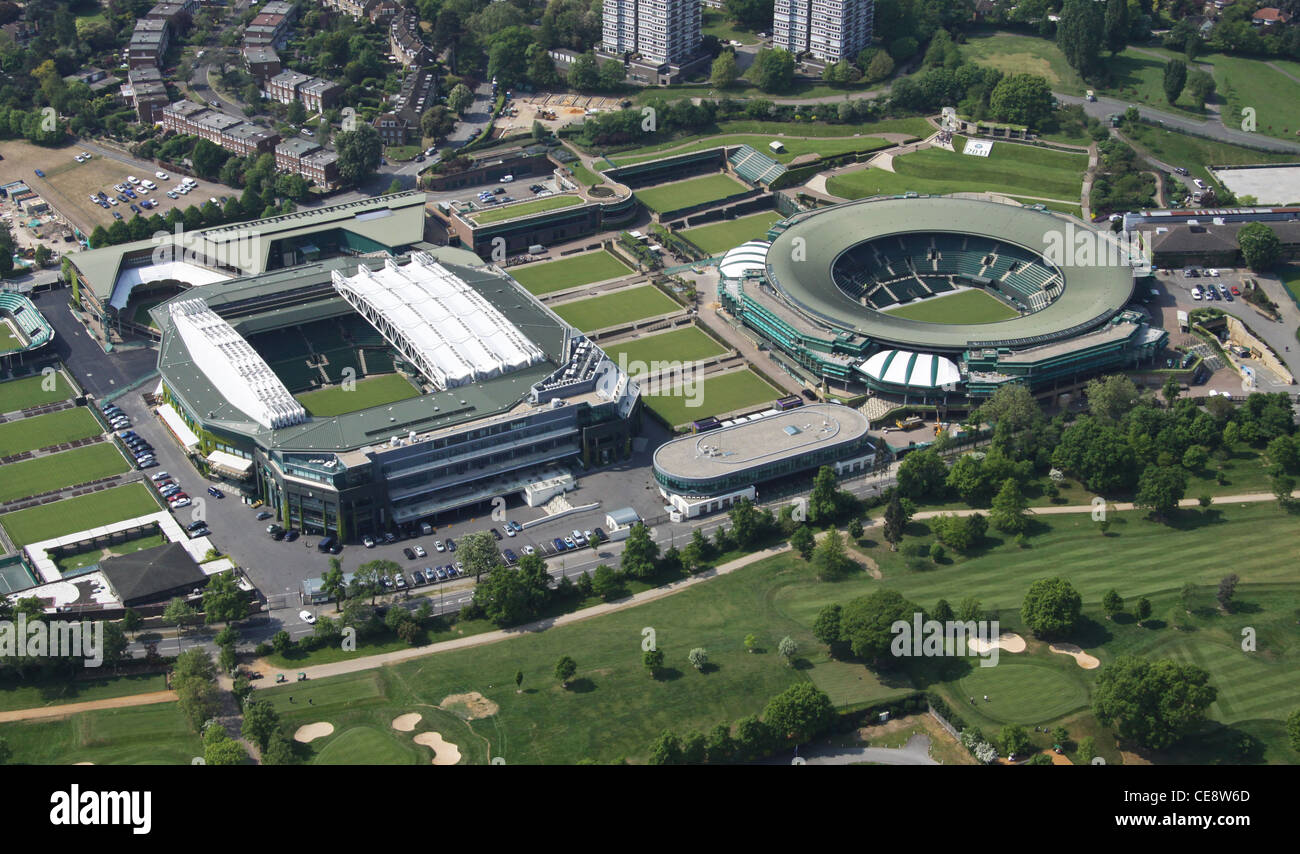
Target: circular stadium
<point>23,329</point>
<point>867,260</point>
<point>917,294</point>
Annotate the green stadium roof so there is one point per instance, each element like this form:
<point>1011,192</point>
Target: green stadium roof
<point>1091,295</point>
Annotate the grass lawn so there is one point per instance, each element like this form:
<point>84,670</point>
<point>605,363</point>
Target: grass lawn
<point>618,307</point>
<point>28,392</point>
<point>1023,693</point>
<point>8,340</point>
<point>969,306</point>
<point>715,23</point>
<point>1019,54</point>
<point>584,269</point>
<point>368,392</point>
<point>78,514</point>
<point>915,127</point>
<point>29,696</point>
<point>721,236</point>
<point>68,563</point>
<point>688,344</point>
<point>695,191</point>
<point>715,395</point>
<point>511,211</point>
<point>28,434</point>
<point>141,312</point>
<point>156,734</point>
<point>1009,168</point>
<point>367,745</point>
<point>826,146</point>
<point>80,465</point>
<point>1290,276</point>
<point>1244,82</point>
<point>1195,153</point>
<point>401,152</point>
<point>585,176</point>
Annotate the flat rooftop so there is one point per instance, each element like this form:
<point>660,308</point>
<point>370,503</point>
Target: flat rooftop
<point>749,444</point>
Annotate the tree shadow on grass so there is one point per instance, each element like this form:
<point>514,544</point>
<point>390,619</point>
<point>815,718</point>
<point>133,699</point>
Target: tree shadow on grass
<point>667,674</point>
<point>582,685</point>
<point>801,664</point>
<point>1089,633</point>
<point>709,667</point>
<point>1186,519</point>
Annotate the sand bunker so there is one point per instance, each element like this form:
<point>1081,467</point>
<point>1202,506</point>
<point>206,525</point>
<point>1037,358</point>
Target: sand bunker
<point>83,763</point>
<point>472,705</point>
<point>1007,642</point>
<point>407,722</point>
<point>444,752</point>
<point>1087,662</point>
<point>311,732</point>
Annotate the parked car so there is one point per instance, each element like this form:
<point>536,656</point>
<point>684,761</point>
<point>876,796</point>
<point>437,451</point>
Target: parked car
<point>437,544</point>
<point>569,543</point>
<point>529,550</point>
<point>290,536</point>
<point>417,577</point>
<point>216,493</point>
<point>600,533</point>
<point>40,174</point>
<point>194,526</point>
<point>400,581</point>
<point>161,176</point>
<point>162,475</point>
<point>368,541</point>
<point>183,502</point>
<point>420,552</point>
<point>410,555</point>
<point>307,616</point>
<point>510,556</point>
<point>496,535</point>
<point>451,544</point>
<point>264,515</point>
<point>559,544</point>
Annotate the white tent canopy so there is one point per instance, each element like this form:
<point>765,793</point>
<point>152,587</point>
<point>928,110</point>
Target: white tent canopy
<point>746,258</point>
<point>904,368</point>
<point>438,321</point>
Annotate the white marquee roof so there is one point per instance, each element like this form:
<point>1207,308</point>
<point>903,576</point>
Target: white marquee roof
<point>234,367</point>
<point>919,370</point>
<point>745,258</point>
<point>438,321</point>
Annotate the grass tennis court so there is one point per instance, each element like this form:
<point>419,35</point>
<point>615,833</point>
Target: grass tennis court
<point>8,340</point>
<point>696,191</point>
<point>80,465</point>
<point>25,393</point>
<point>71,562</point>
<point>368,392</point>
<point>737,390</point>
<point>78,514</point>
<point>679,345</point>
<point>1010,168</point>
<point>721,236</point>
<point>549,276</point>
<point>622,306</point>
<point>550,203</point>
<point>28,434</point>
<point>969,306</point>
<point>794,146</point>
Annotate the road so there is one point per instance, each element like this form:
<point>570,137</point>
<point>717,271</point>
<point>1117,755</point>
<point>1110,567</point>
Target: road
<point>915,752</point>
<point>1214,129</point>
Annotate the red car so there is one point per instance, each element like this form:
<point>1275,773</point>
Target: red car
<point>1236,291</point>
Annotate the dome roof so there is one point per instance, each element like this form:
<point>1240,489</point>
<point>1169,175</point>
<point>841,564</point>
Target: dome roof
<point>746,258</point>
<point>904,368</point>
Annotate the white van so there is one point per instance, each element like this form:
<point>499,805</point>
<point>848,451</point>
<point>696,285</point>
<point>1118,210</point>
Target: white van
<point>148,185</point>
<point>506,179</point>
<point>1196,293</point>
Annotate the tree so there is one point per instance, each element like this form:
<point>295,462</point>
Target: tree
<point>1195,458</point>
<point>1025,99</point>
<point>332,584</point>
<point>1293,729</point>
<point>359,153</point>
<point>826,628</point>
<point>725,71</point>
<point>606,583</point>
<point>1227,589</point>
<point>437,122</point>
<point>564,670</point>
<point>788,649</point>
<point>1051,607</point>
<point>750,14</point>
<point>1154,703</point>
<point>921,474</point>
<point>1117,25</point>
<point>823,500</point>
<point>479,552</point>
<point>800,713</point>
<point>584,73</point>
<point>753,737</point>
<point>1283,485</point>
<point>1112,603</point>
<point>131,620</point>
<point>772,70</point>
<point>261,721</point>
<point>970,609</point>
<point>1142,610</point>
<point>223,601</point>
<point>194,679</point>
<point>1260,246</point>
<point>220,749</point>
<point>178,613</point>
<point>719,747</point>
<point>1160,488</point>
<point>459,99</point>
<point>880,67</point>
<point>1175,79</point>
<point>519,681</point>
<point>610,75</point>
<point>803,541</point>
<point>1014,740</point>
<point>1087,750</point>
<point>281,642</point>
<point>856,529</point>
<point>830,559</point>
<point>896,519</point>
<point>1200,86</point>
<point>751,643</point>
<point>1008,511</point>
<point>866,622</point>
<point>1170,391</point>
<point>1111,397</point>
<point>698,657</point>
<point>667,749</point>
<point>1079,33</point>
<point>653,659</point>
<point>639,553</point>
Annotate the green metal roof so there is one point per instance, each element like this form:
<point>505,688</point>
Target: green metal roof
<point>1091,294</point>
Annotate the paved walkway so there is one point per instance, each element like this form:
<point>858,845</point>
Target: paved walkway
<point>915,752</point>
<point>62,711</point>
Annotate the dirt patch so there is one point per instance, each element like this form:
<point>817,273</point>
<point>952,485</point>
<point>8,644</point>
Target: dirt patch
<point>444,752</point>
<point>1083,659</point>
<point>471,706</point>
<point>873,568</point>
<point>1007,642</point>
<point>66,709</point>
<point>83,763</point>
<point>310,732</point>
<point>407,722</point>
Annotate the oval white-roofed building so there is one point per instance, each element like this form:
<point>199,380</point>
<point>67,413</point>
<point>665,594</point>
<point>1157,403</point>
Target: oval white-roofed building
<point>748,257</point>
<point>905,369</point>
